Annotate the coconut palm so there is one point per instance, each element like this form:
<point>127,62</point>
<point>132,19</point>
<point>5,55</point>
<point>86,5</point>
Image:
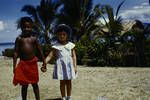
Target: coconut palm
<point>43,15</point>
<point>114,24</point>
<point>80,15</point>
<point>111,30</point>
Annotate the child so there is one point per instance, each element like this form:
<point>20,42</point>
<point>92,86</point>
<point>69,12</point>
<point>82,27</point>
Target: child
<point>26,71</point>
<point>65,68</point>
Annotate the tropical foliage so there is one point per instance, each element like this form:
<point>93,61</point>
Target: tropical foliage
<point>80,15</point>
<point>97,43</point>
<point>43,16</point>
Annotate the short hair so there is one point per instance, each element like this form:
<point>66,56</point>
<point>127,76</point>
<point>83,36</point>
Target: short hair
<point>23,20</point>
<point>63,27</point>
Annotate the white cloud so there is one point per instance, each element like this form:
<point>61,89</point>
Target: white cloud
<point>2,26</point>
<point>142,6</point>
<point>145,4</point>
<point>103,21</point>
<point>8,31</point>
<point>138,7</point>
<point>141,12</point>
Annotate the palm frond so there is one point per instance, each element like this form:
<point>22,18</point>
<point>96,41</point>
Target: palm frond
<point>29,9</point>
<point>118,8</point>
<point>110,13</point>
<point>88,7</point>
<point>43,14</point>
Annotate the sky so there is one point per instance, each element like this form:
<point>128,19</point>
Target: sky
<point>10,11</point>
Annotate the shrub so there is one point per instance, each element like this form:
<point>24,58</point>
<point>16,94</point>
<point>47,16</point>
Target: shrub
<point>9,52</point>
<point>80,52</point>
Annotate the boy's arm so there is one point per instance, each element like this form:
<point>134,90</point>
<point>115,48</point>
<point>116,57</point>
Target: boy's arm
<point>41,52</point>
<point>74,60</point>
<point>15,56</point>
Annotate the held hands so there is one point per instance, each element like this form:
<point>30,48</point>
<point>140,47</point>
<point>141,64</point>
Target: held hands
<point>75,70</point>
<point>43,68</point>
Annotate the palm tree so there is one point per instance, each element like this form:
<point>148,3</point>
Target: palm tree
<point>111,30</point>
<point>43,15</point>
<point>80,15</point>
<point>114,24</point>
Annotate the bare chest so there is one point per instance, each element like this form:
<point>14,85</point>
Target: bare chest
<point>27,45</point>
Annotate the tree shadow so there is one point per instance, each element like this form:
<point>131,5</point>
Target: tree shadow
<point>54,99</point>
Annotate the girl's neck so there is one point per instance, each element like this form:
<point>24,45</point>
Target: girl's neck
<point>63,42</point>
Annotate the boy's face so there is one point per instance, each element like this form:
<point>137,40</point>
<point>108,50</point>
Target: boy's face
<point>27,27</point>
<point>62,36</point>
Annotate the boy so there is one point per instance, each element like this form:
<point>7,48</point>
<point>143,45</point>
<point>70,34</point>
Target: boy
<point>26,71</point>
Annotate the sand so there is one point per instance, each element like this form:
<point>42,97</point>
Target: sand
<point>93,83</point>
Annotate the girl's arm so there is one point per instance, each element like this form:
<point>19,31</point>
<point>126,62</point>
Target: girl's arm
<point>49,57</point>
<point>74,60</point>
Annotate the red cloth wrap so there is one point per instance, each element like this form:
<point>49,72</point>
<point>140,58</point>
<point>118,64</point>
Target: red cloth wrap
<point>26,72</point>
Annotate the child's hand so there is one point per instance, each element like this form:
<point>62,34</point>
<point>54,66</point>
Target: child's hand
<point>43,69</point>
<point>75,70</point>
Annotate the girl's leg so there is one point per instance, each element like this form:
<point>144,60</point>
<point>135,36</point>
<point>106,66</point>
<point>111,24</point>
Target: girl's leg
<point>69,87</point>
<point>24,92</point>
<point>62,88</point>
<point>36,91</point>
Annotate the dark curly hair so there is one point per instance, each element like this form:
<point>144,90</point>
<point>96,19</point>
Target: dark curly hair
<point>23,20</point>
<point>63,27</point>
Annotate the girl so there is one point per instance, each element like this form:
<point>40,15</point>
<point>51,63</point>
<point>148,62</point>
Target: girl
<point>65,67</point>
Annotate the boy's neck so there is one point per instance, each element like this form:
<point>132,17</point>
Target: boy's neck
<point>26,34</point>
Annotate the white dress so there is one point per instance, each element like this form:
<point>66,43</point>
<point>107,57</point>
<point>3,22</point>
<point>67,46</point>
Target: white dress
<point>64,69</point>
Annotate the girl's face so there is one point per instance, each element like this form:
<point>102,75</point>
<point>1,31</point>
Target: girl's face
<point>62,36</point>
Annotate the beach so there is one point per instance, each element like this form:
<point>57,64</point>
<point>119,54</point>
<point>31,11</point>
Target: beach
<point>92,83</point>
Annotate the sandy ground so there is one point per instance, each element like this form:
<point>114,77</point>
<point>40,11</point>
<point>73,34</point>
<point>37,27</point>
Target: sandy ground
<point>92,83</point>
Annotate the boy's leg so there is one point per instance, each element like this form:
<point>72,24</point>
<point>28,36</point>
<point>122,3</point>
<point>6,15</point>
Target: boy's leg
<point>24,92</point>
<point>62,88</point>
<point>36,91</point>
<point>69,87</point>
